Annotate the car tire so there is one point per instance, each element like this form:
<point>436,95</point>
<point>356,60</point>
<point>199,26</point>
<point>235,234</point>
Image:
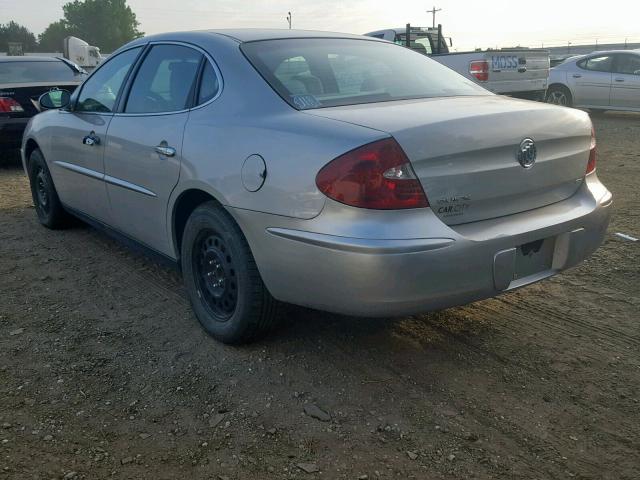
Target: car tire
<point>559,95</point>
<point>50,211</point>
<point>225,288</point>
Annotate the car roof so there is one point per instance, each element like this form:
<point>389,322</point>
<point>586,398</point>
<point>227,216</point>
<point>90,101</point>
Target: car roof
<point>607,52</point>
<point>28,58</point>
<point>242,35</point>
<point>256,34</point>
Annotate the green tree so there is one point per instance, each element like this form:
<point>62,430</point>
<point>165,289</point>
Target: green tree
<point>52,39</point>
<point>107,24</point>
<point>14,32</point>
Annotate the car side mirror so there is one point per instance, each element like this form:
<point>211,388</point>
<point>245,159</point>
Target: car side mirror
<point>54,98</point>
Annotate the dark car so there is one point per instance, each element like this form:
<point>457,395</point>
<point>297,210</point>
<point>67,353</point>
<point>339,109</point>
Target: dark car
<point>22,81</point>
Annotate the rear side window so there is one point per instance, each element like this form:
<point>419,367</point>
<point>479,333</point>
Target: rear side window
<point>100,91</point>
<point>165,80</point>
<point>420,44</point>
<point>597,64</point>
<point>36,72</point>
<point>629,64</point>
<point>327,72</point>
<point>209,84</point>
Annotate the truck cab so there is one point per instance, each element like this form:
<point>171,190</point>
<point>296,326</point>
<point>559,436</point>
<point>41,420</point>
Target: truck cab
<point>517,72</point>
<point>423,39</point>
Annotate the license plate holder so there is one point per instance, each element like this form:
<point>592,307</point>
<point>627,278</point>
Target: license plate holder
<point>534,257</point>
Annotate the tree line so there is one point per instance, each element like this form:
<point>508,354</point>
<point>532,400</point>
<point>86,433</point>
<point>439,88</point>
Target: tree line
<point>107,24</point>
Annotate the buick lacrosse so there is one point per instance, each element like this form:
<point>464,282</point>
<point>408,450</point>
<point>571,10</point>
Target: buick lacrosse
<point>337,172</point>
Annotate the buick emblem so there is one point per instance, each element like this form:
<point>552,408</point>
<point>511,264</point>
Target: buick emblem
<point>527,153</point>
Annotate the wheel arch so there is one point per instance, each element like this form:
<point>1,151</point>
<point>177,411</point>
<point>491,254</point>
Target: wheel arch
<point>29,146</point>
<point>186,201</point>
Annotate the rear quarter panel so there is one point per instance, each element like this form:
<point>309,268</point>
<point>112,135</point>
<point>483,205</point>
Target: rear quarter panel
<point>249,118</point>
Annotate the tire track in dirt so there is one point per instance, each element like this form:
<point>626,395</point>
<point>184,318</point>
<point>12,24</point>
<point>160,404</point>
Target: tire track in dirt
<point>132,268</point>
<point>135,272</point>
<point>616,341</point>
<point>506,432</point>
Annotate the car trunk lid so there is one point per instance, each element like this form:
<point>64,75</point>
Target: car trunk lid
<point>464,150</point>
<point>27,95</point>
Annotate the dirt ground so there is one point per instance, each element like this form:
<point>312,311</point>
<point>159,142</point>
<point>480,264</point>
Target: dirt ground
<point>105,372</point>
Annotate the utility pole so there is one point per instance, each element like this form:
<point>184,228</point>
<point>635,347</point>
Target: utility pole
<point>289,19</point>
<point>433,12</point>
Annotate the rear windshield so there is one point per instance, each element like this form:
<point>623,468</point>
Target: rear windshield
<point>321,72</point>
<point>36,72</point>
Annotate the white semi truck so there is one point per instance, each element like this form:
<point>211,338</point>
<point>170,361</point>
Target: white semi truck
<point>81,53</point>
<point>518,72</point>
<point>74,49</point>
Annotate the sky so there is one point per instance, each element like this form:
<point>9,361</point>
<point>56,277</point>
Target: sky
<point>470,23</point>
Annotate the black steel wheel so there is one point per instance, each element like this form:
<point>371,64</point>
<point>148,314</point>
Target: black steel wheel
<point>45,197</point>
<point>42,191</point>
<point>226,290</point>
<point>216,274</point>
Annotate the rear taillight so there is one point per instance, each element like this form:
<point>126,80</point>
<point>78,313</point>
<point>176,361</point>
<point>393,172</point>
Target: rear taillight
<point>377,176</point>
<point>479,69</point>
<point>9,105</point>
<point>593,153</point>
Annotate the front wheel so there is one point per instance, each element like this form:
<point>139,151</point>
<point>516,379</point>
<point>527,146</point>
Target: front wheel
<point>45,197</point>
<point>559,95</point>
<point>225,288</point>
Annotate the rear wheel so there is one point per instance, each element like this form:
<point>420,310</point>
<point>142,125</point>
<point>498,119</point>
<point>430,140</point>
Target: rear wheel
<point>559,95</point>
<point>45,197</point>
<point>225,288</point>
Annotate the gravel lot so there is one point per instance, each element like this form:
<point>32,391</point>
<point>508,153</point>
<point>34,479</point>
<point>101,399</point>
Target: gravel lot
<point>105,372</point>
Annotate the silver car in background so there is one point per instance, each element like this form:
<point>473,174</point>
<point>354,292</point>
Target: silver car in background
<point>337,172</point>
<point>607,80</point>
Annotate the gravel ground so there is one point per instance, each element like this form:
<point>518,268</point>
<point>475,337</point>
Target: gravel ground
<point>105,372</point>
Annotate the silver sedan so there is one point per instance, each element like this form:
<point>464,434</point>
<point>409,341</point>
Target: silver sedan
<point>606,80</point>
<point>337,172</point>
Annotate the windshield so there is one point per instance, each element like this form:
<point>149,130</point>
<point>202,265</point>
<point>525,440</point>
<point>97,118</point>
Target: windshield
<point>321,72</point>
<point>36,72</point>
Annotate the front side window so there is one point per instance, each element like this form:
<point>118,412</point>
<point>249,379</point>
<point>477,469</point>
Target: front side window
<point>628,64</point>
<point>100,91</point>
<point>37,71</point>
<point>165,80</point>
<point>597,64</point>
<point>316,73</point>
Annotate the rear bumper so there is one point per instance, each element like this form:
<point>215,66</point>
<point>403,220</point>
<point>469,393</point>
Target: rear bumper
<point>407,262</point>
<point>537,95</point>
<point>517,87</point>
<point>11,130</point>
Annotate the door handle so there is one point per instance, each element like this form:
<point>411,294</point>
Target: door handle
<point>164,149</point>
<point>91,139</point>
<point>619,79</point>
<point>577,75</point>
